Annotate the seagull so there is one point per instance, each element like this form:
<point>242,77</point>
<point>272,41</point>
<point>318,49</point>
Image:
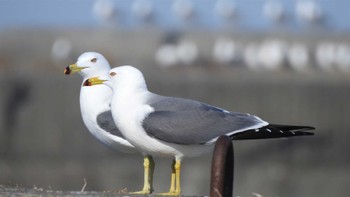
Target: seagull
<point>96,111</point>
<point>176,127</point>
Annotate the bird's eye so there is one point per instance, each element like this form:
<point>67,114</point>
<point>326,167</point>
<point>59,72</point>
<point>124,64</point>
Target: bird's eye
<point>112,74</point>
<point>93,60</point>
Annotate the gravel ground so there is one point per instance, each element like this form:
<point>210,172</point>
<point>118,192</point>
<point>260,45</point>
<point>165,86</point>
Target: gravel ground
<point>35,192</point>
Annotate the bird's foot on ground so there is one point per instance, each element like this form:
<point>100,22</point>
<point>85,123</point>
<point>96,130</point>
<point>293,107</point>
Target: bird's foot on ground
<point>142,192</point>
<point>170,193</point>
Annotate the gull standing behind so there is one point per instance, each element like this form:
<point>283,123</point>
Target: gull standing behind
<point>168,126</point>
<point>96,112</point>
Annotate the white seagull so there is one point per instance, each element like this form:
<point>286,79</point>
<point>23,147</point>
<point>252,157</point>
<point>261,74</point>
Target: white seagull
<point>96,111</point>
<point>168,126</point>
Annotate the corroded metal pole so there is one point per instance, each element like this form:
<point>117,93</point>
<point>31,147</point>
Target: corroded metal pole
<point>221,183</point>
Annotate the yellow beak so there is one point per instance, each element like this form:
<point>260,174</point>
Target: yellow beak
<point>93,81</point>
<point>73,69</point>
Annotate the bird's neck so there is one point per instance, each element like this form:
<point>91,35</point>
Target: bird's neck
<point>130,95</point>
<point>129,106</point>
<point>95,99</point>
<point>126,90</point>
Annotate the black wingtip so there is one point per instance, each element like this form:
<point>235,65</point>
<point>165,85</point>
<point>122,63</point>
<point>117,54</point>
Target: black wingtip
<point>274,131</point>
<point>292,127</point>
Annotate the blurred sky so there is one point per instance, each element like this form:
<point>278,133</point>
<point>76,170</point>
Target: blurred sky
<point>249,15</point>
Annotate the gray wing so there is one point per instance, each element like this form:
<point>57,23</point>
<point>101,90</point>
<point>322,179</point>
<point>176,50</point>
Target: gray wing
<point>185,121</point>
<point>106,122</point>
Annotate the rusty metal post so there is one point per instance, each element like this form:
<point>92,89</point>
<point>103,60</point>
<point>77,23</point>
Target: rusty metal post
<point>221,183</point>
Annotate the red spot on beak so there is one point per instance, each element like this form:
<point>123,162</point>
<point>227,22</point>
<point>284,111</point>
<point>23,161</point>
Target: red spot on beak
<point>87,83</point>
<point>67,71</point>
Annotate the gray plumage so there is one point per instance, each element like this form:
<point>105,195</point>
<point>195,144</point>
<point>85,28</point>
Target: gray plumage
<point>106,122</point>
<point>185,121</point>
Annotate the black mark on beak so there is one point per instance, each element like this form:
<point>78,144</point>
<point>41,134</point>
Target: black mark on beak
<point>67,71</point>
<point>87,83</point>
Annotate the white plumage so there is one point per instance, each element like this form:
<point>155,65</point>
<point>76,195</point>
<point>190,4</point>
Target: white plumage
<point>95,108</point>
<point>158,125</point>
<point>176,127</point>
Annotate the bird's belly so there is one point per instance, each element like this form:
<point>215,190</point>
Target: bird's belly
<point>149,145</point>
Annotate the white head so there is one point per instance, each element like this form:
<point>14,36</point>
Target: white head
<point>123,77</point>
<point>126,76</point>
<point>89,64</point>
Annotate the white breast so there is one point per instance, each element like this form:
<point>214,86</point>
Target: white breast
<point>93,101</point>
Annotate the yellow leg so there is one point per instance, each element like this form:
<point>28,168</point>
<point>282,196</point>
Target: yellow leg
<point>175,189</point>
<point>173,178</point>
<point>148,164</point>
<point>172,183</point>
<point>177,178</point>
